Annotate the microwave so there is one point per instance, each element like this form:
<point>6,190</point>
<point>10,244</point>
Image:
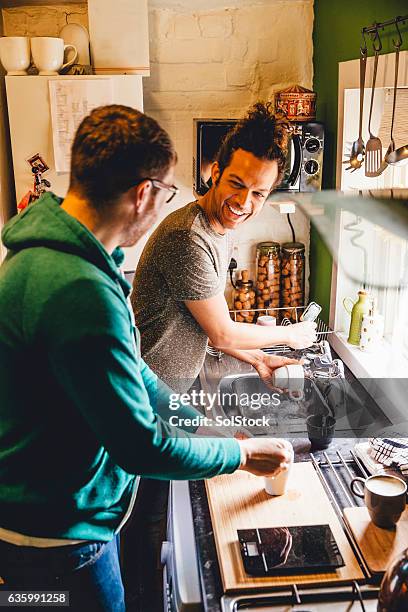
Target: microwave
<point>304,163</point>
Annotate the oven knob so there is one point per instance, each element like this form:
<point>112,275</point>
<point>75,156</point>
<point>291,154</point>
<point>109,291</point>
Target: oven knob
<point>311,166</point>
<point>312,145</point>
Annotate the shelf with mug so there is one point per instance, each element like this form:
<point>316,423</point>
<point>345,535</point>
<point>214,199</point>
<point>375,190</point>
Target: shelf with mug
<point>128,54</point>
<point>47,53</point>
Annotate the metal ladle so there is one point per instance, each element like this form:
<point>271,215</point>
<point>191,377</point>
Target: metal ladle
<point>397,156</point>
<point>358,148</point>
<point>393,156</point>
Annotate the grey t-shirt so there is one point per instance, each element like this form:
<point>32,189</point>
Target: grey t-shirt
<point>184,259</point>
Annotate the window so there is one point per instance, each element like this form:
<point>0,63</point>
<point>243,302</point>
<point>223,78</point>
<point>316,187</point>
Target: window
<point>375,259</point>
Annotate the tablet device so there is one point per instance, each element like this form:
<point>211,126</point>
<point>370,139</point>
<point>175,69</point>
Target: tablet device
<point>288,550</point>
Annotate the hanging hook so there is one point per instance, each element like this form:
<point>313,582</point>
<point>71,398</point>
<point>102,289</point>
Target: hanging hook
<point>377,46</point>
<point>397,44</point>
<point>363,46</point>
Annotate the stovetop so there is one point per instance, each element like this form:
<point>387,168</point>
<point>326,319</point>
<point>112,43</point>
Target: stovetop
<point>335,467</point>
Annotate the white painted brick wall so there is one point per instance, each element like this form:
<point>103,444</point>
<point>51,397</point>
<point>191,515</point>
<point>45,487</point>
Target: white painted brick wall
<point>215,62</point>
<point>42,20</point>
<point>209,61</point>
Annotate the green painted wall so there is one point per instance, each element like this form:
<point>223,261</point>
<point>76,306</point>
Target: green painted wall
<point>336,38</point>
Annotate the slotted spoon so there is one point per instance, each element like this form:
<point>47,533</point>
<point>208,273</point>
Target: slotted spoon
<point>373,156</point>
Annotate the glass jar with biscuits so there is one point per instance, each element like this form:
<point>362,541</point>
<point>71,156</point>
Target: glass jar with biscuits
<point>292,279</point>
<point>267,286</point>
<point>244,299</point>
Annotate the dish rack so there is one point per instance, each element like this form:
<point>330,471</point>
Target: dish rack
<point>323,330</point>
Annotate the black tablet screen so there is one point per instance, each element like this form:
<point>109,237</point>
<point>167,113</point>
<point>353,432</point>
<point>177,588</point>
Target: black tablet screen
<point>282,550</point>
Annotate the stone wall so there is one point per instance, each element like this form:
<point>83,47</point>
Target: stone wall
<point>209,59</point>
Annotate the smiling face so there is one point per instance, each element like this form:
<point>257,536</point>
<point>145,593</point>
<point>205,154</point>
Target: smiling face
<point>241,190</point>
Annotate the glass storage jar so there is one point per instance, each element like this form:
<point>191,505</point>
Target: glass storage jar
<point>243,299</point>
<point>292,279</point>
<point>268,266</point>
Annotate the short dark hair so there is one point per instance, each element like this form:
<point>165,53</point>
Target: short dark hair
<point>260,132</point>
<point>114,147</point>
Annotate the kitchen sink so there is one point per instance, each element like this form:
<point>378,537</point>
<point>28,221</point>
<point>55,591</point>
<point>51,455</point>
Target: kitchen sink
<point>246,398</point>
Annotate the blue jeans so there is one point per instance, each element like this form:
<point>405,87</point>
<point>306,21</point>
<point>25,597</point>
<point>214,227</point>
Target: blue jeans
<point>90,572</point>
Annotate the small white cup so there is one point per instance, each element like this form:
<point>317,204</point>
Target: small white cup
<point>277,485</point>
<point>48,54</point>
<point>372,331</point>
<point>291,377</point>
<point>266,320</point>
<point>15,54</point>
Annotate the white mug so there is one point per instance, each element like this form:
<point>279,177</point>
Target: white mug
<point>48,54</point>
<point>15,54</point>
<point>277,485</point>
<point>290,377</point>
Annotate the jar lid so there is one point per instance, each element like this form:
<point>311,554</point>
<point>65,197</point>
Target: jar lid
<point>244,284</point>
<point>270,247</point>
<point>293,247</point>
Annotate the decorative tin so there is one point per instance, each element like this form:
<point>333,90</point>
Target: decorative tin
<point>297,103</point>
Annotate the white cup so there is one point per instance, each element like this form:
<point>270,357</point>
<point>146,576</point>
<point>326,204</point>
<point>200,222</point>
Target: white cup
<point>372,331</point>
<point>266,320</point>
<point>277,485</point>
<point>48,54</point>
<point>291,377</point>
<point>15,54</point>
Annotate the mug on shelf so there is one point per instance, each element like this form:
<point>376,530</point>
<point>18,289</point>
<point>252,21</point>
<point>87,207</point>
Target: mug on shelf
<point>15,54</point>
<point>48,54</point>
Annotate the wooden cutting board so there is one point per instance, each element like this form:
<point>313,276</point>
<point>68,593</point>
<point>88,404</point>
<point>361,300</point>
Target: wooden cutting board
<point>378,546</point>
<point>239,501</point>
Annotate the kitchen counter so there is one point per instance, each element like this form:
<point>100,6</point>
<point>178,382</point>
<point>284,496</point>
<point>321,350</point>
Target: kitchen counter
<point>211,584</point>
<point>207,555</point>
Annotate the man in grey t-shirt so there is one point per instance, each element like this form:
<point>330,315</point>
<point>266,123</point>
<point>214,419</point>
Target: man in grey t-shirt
<point>185,259</point>
<point>178,296</point>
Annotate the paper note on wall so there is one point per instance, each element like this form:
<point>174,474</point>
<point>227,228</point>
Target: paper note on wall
<point>70,101</point>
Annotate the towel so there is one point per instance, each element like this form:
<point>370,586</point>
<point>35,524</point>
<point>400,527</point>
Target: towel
<point>392,452</point>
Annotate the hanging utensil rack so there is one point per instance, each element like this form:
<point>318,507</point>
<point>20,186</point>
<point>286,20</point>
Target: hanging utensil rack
<point>373,29</point>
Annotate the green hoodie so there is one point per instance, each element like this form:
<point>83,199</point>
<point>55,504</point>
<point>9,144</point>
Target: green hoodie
<point>78,406</point>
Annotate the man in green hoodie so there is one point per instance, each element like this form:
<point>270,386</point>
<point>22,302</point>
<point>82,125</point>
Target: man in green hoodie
<point>81,413</point>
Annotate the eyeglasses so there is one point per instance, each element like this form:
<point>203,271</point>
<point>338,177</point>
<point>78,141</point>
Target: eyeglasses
<point>160,185</point>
